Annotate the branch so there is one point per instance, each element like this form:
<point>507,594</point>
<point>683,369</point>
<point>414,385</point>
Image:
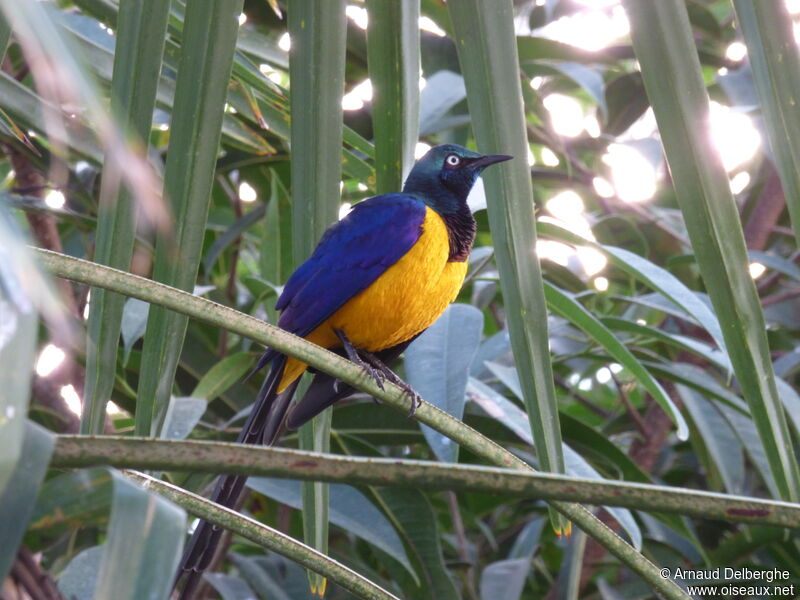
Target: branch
<point>265,536</point>
<point>328,362</point>
<point>221,457</point>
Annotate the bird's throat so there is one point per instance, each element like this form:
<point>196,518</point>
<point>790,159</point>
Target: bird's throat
<point>461,228</point>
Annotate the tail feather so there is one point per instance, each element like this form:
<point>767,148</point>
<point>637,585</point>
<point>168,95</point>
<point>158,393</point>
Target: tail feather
<point>323,392</point>
<point>263,425</point>
<point>267,421</point>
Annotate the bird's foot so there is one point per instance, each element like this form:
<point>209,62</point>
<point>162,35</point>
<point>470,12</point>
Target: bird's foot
<point>389,375</point>
<point>374,373</point>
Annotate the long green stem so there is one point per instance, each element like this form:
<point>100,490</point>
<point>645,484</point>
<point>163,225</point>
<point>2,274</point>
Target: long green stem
<point>328,362</point>
<point>265,536</point>
<point>221,457</point>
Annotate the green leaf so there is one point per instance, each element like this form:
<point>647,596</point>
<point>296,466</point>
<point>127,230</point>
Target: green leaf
<point>595,443</point>
<point>134,324</point>
<point>276,249</point>
<point>77,496</point>
<point>259,578</point>
<point>209,38</point>
<point>682,342</point>
<point>649,273</point>
<point>670,286</point>
<point>229,587</point>
<point>242,224</point>
<point>17,349</point>
<point>509,414</point>
<point>487,52</point>
<point>10,128</point>
<point>715,433</point>
<point>35,28</point>
<point>26,108</point>
<point>541,48</point>
<point>142,546</point>
<point>416,520</point>
<point>141,28</point>
<point>5,37</point>
<point>317,75</point>
<point>349,509</point>
<point>527,540</point>
<point>443,90</point>
<point>745,430</point>
<point>504,579</point>
<point>569,577</point>
<point>19,496</point>
<point>664,46</point>
<point>182,416</point>
<point>393,56</point>
<point>564,304</point>
<point>775,60</point>
<point>776,263</point>
<point>626,101</point>
<point>79,579</point>
<point>437,366</point>
<point>316,67</point>
<point>223,375</point>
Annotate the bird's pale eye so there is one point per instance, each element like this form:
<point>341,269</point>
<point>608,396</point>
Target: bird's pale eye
<point>452,160</point>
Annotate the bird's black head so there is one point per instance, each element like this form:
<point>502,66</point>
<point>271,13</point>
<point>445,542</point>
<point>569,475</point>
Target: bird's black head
<point>444,177</point>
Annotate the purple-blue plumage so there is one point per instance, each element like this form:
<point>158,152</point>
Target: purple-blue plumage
<point>351,255</point>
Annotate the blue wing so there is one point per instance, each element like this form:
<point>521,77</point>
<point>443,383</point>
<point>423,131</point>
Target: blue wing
<point>351,255</point>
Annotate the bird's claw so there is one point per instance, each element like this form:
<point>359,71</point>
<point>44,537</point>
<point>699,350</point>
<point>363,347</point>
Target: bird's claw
<point>375,374</point>
<point>416,400</point>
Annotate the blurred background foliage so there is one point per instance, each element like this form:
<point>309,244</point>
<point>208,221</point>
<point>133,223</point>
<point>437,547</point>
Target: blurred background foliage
<point>637,347</point>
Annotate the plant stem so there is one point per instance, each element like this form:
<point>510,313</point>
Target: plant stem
<point>265,536</point>
<point>221,457</point>
<point>328,362</point>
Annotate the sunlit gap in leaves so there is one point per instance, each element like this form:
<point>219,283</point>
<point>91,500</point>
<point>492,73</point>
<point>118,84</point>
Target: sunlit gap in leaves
<point>421,149</point>
<point>247,192</point>
<point>603,375</point>
<point>273,75</point>
<point>55,199</point>
<point>757,270</point>
<point>73,401</point>
<point>360,18</point>
<point>635,164</point>
<point>568,211</point>
<point>50,358</point>
<point>358,96</point>
<point>734,136</point>
<point>567,115</point>
<point>601,25</point>
<point>633,176</point>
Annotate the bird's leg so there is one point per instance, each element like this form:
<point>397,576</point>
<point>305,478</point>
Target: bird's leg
<point>416,399</point>
<point>377,375</point>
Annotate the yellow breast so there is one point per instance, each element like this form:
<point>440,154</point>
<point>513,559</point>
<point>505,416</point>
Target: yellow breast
<point>401,303</point>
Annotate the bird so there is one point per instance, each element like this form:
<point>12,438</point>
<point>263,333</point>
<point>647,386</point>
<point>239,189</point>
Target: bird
<point>377,279</point>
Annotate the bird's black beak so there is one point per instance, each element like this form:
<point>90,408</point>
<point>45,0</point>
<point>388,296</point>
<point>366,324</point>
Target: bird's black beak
<point>489,159</point>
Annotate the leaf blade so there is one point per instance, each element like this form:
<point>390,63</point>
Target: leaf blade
<point>664,46</point>
<point>137,67</point>
<point>393,57</point>
<point>188,178</point>
<point>487,49</point>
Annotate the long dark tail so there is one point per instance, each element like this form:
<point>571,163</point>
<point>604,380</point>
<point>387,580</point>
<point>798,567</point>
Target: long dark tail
<point>267,421</point>
<point>263,426</point>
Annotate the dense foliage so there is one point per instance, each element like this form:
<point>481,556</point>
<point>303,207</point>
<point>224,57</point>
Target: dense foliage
<point>655,331</point>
